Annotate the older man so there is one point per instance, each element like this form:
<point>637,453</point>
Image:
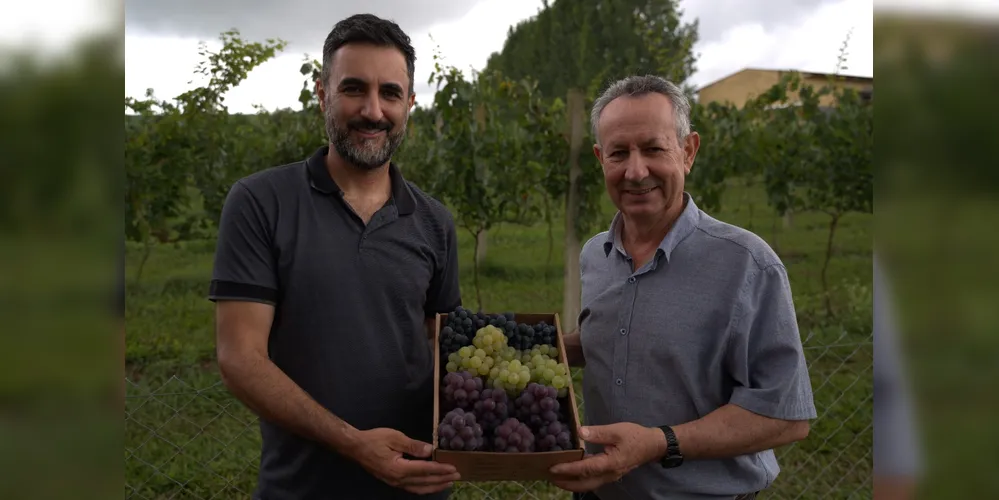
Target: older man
<point>694,370</point>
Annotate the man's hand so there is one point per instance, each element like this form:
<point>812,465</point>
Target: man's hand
<point>626,446</point>
<point>380,452</point>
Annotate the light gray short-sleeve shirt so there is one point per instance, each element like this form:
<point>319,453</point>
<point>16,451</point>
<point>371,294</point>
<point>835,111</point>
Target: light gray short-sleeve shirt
<point>708,321</point>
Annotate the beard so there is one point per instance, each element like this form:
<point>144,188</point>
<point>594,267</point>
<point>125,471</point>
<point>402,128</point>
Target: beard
<point>367,154</point>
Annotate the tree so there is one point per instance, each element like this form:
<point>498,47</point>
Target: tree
<point>481,152</point>
<point>816,157</point>
<point>190,148</point>
<point>574,49</point>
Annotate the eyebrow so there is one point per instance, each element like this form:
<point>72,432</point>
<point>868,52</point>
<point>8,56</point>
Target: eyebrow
<point>654,141</point>
<point>357,81</point>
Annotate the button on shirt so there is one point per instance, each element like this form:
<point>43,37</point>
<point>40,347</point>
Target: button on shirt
<point>708,321</point>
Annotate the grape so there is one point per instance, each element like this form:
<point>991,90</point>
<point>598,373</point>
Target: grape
<point>512,436</point>
<point>492,408</point>
<point>478,357</point>
<point>470,358</point>
<point>543,334</point>
<point>553,436</point>
<point>519,336</point>
<point>537,406</point>
<point>546,370</point>
<point>461,390</point>
<point>507,353</point>
<point>460,431</point>
<point>511,376</point>
<point>456,333</point>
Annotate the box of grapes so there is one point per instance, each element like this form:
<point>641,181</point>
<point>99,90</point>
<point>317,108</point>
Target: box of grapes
<point>504,404</point>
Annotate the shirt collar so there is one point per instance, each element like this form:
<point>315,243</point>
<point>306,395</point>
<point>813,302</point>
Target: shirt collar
<point>682,227</point>
<point>320,180</point>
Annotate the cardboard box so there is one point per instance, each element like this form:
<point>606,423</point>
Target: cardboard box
<point>504,466</point>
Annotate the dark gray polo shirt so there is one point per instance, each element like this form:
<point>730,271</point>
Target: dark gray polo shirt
<point>350,307</point>
<point>708,321</point>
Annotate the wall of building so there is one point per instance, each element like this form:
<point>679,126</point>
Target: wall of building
<point>748,84</point>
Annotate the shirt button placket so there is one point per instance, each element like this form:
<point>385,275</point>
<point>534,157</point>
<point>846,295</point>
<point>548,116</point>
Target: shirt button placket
<point>621,349</point>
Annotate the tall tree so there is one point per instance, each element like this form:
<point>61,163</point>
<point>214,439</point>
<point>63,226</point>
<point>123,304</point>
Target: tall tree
<point>574,48</point>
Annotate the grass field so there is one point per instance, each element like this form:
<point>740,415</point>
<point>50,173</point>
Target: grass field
<point>185,432</point>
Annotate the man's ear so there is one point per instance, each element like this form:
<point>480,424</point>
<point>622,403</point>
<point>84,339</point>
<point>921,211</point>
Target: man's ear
<point>690,147</point>
<point>598,153</point>
<point>321,94</point>
<point>412,100</point>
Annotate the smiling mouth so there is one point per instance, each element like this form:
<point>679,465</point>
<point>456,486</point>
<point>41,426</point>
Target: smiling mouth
<point>639,192</point>
<point>366,132</point>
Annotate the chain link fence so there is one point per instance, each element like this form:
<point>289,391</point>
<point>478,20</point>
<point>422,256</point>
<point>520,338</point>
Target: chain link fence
<point>197,441</point>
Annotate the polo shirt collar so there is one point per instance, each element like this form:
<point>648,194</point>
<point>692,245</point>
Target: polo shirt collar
<point>684,225</point>
<point>320,179</point>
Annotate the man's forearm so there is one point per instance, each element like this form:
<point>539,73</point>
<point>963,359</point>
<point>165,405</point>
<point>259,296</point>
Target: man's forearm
<point>574,349</point>
<point>272,395</point>
<point>732,431</point>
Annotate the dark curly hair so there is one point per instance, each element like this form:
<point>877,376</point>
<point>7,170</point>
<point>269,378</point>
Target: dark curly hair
<point>368,28</point>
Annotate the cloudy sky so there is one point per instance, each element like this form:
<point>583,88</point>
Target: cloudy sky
<point>161,36</point>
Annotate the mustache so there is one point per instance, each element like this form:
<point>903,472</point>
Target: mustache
<point>365,124</point>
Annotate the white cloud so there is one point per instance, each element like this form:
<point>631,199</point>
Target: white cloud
<point>468,42</point>
<point>813,45</point>
<point>166,64</point>
<point>48,27</point>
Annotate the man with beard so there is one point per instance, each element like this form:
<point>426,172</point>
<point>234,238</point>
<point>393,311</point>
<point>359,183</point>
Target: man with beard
<point>328,272</point>
<point>693,364</point>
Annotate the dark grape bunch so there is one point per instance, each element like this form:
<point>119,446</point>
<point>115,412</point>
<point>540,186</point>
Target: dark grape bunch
<point>459,431</point>
<point>461,390</point>
<point>544,334</point>
<point>523,336</point>
<point>520,336</point>
<point>512,436</point>
<point>553,436</point>
<point>492,408</point>
<point>458,331</point>
<point>537,406</point>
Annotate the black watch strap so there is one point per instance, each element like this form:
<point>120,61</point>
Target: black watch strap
<point>673,457</point>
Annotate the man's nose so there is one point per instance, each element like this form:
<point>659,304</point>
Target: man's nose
<point>372,109</point>
<point>635,168</point>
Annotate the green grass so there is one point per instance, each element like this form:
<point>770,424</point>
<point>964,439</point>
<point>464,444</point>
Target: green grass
<point>184,431</point>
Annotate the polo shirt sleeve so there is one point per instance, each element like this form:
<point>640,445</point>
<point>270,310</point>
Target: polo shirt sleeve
<point>244,255</point>
<point>444,294</point>
<point>765,355</point>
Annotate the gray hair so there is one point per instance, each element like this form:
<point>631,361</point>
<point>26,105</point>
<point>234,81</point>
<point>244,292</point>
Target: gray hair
<point>636,86</point>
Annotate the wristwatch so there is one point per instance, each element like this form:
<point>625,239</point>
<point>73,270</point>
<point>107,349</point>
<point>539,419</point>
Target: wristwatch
<point>673,457</point>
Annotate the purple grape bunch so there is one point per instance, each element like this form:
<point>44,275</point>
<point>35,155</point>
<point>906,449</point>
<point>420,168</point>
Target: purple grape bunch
<point>537,406</point>
<point>553,436</point>
<point>459,431</point>
<point>513,436</point>
<point>461,390</point>
<point>492,408</point>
